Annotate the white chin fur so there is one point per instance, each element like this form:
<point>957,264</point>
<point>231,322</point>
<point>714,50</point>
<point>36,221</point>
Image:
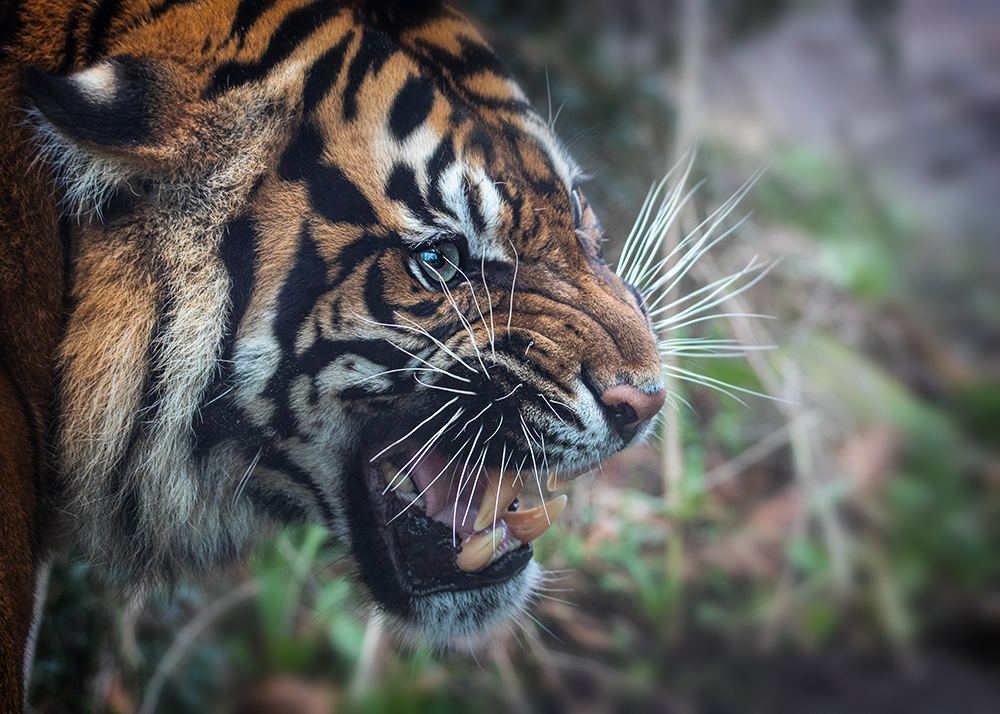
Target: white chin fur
<point>469,620</point>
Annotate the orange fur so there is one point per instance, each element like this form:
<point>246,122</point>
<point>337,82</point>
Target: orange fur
<point>95,309</point>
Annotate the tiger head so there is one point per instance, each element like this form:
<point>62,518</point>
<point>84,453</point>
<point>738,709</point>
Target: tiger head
<point>327,265</point>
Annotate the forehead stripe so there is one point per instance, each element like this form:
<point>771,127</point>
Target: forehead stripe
<point>437,164</point>
<point>295,28</point>
<point>411,107</point>
<point>247,14</point>
<point>323,74</point>
<point>100,23</point>
<point>331,193</point>
<point>402,186</point>
<point>375,48</point>
<point>472,197</point>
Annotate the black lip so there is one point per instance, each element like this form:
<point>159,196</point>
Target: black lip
<point>413,556</point>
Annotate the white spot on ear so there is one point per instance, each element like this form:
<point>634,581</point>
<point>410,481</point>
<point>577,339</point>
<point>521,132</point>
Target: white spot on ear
<point>97,83</point>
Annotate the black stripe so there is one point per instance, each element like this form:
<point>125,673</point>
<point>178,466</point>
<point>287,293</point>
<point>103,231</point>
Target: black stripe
<point>156,385</point>
<point>375,48</point>
<point>10,25</point>
<point>378,310</point>
<point>305,284</point>
<point>247,14</point>
<point>321,354</point>
<point>100,23</point>
<point>278,461</point>
<point>402,186</point>
<point>238,250</point>
<point>515,202</point>
<point>157,11</point>
<point>441,159</point>
<point>323,74</point>
<point>275,503</point>
<point>362,249</point>
<point>331,193</point>
<point>479,138</point>
<point>218,417</point>
<point>69,39</point>
<point>127,514</point>
<point>474,59</point>
<point>411,107</point>
<point>472,198</point>
<point>294,29</point>
<point>398,16</point>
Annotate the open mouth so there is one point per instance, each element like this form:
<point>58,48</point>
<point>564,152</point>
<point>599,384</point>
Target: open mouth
<point>453,525</point>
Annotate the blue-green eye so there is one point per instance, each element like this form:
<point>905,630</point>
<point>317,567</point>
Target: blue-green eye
<point>440,263</point>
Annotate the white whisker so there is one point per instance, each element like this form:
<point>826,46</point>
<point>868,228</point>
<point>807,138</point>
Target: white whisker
<point>466,325</point>
<point>513,282</point>
<point>414,429</point>
<point>241,484</point>
<point>444,389</point>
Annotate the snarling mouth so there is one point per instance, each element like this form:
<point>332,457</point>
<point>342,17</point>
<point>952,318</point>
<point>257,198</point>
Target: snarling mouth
<point>452,525</point>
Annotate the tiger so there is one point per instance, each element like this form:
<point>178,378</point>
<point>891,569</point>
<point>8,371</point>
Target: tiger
<point>281,261</point>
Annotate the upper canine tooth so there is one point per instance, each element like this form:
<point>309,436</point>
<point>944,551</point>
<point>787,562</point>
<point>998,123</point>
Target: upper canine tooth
<point>404,484</point>
<point>501,490</point>
<point>389,472</point>
<point>528,525</point>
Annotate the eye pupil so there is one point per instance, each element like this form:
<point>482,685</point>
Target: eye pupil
<point>433,259</point>
<point>440,263</point>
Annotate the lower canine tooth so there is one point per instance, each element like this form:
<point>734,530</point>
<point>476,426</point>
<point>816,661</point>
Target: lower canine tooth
<point>528,525</point>
<point>477,550</point>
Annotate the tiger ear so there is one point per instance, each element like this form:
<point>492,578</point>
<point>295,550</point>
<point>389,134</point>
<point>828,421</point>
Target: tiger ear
<point>120,104</point>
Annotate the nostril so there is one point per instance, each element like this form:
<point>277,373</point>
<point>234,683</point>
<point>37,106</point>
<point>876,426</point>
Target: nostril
<point>628,408</point>
<point>621,414</point>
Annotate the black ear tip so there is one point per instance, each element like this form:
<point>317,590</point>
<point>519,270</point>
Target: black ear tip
<point>50,94</point>
<point>31,76</point>
<point>41,87</point>
<point>108,104</point>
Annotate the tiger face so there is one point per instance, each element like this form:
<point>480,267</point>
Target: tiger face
<point>327,265</point>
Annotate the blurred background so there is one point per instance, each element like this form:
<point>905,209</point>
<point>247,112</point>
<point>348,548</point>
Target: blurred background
<point>823,536</point>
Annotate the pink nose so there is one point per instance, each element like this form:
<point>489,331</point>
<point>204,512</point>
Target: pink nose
<point>628,408</point>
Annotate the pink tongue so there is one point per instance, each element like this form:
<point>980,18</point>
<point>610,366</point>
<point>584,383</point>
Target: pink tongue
<point>440,482</point>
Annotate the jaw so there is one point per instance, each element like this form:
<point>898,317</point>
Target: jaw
<point>408,544</point>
